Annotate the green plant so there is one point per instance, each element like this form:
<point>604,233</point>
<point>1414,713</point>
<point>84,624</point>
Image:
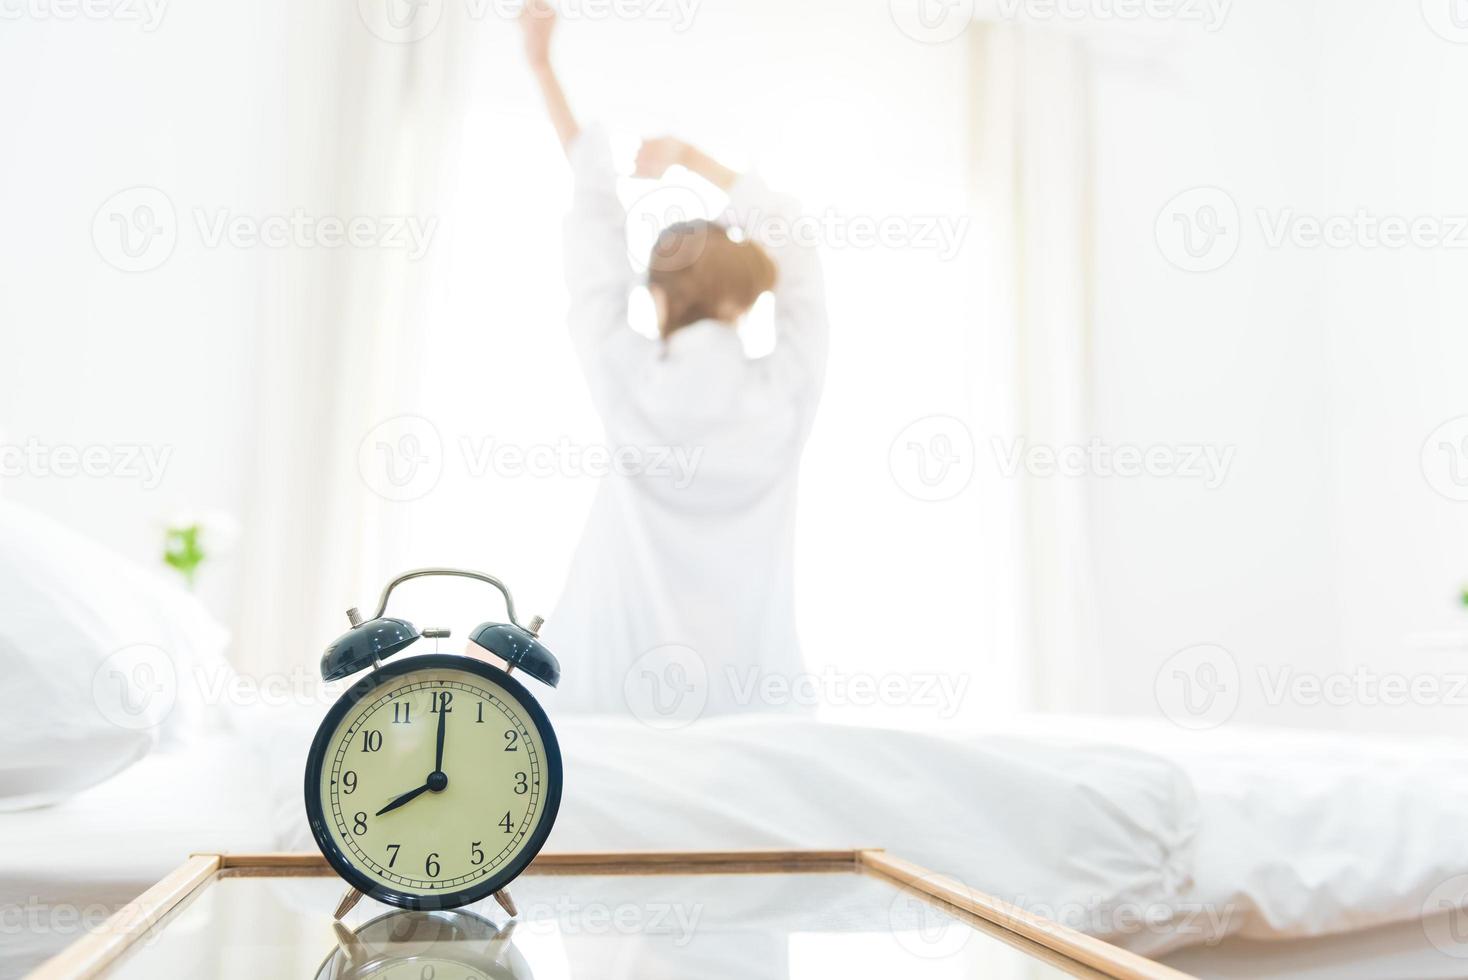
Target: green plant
<point>183,551</point>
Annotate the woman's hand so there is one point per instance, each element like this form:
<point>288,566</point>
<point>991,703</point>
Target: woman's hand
<point>655,156</point>
<point>537,23</point>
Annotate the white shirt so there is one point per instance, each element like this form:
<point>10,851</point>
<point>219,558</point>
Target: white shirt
<point>684,573</point>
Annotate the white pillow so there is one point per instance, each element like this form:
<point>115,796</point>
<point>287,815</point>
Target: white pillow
<point>99,660</point>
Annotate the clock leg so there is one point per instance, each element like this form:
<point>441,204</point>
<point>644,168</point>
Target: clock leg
<point>349,901</point>
<point>350,945</point>
<point>506,902</point>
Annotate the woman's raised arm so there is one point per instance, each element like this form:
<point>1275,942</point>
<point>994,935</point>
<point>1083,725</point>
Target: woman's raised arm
<point>537,24</point>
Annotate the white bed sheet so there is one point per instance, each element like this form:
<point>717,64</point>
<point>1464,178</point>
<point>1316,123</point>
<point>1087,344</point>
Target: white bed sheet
<point>68,866</point>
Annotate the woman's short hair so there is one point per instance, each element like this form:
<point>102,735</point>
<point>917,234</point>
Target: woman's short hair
<point>704,274</point>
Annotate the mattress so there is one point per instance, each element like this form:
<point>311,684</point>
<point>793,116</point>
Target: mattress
<point>67,867</point>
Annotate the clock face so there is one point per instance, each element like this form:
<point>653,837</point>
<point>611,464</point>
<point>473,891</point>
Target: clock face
<point>433,782</point>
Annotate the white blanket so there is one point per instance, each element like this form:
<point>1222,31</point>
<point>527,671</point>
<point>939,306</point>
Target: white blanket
<point>1151,837</point>
<point>1302,833</point>
<point>1088,826</point>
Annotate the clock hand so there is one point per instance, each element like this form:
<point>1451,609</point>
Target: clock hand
<point>405,798</point>
<point>437,781</point>
<point>443,713</point>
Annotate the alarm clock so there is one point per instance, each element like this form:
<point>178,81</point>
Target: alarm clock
<point>434,780</point>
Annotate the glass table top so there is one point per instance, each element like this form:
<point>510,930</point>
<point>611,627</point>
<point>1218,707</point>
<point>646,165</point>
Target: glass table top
<point>781,926</point>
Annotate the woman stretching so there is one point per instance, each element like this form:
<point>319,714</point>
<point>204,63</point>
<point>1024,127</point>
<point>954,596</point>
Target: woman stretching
<point>680,599</point>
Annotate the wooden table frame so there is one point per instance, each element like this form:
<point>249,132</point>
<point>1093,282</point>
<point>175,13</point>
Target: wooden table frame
<point>1040,937</point>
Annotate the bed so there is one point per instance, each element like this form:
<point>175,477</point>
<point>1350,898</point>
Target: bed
<point>1093,822</point>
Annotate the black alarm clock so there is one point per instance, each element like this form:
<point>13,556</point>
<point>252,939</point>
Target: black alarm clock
<point>434,780</point>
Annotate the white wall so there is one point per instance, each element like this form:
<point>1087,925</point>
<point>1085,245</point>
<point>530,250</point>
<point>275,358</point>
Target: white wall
<point>1326,369</point>
<point>95,356</point>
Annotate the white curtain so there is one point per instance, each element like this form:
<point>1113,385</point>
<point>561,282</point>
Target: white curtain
<point>1032,162</point>
<point>367,131</point>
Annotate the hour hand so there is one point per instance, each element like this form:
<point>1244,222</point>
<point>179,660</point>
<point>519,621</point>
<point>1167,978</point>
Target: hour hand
<point>405,798</point>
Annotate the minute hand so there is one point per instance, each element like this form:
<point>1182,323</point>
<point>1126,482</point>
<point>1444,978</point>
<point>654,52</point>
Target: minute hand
<point>443,713</point>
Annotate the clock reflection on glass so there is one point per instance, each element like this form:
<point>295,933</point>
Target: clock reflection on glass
<point>425,945</point>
